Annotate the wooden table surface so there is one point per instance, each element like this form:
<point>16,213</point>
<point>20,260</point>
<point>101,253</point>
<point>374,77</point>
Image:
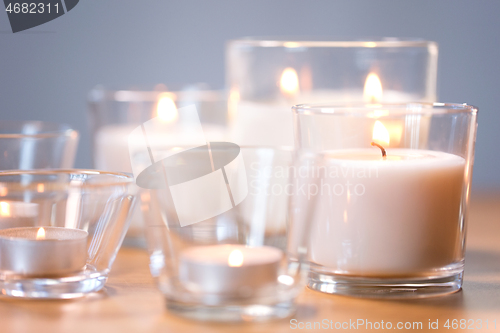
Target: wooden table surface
<point>130,301</point>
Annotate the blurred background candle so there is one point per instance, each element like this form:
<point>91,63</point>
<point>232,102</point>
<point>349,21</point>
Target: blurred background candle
<point>113,115</point>
<point>267,77</point>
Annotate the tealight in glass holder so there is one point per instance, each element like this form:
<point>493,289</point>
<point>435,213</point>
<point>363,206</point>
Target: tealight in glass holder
<point>386,188</point>
<point>60,230</point>
<point>27,145</point>
<point>217,236</point>
<point>266,77</point>
<point>114,114</point>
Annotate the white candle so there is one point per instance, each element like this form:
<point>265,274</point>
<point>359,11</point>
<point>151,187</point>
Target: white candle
<point>378,217</point>
<point>42,251</point>
<point>271,123</point>
<point>234,269</point>
<point>112,150</point>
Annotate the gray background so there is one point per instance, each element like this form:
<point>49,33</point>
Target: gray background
<point>47,71</point>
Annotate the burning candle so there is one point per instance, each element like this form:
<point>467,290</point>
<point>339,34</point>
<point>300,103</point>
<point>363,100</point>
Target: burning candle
<point>269,123</point>
<point>228,268</point>
<point>42,251</point>
<point>111,141</point>
<point>396,212</point>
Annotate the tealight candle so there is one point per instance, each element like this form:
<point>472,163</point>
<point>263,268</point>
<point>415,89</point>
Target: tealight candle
<point>42,251</point>
<point>228,268</point>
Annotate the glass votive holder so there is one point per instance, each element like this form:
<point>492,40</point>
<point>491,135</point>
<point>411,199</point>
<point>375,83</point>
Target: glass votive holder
<point>387,198</point>
<point>234,265</point>
<point>26,145</point>
<point>114,114</point>
<point>268,76</point>
<point>60,230</point>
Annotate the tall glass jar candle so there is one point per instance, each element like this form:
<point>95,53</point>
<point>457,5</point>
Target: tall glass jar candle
<point>268,76</point>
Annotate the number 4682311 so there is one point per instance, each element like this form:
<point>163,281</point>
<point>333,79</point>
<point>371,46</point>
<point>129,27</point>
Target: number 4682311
<point>32,8</point>
<point>470,324</point>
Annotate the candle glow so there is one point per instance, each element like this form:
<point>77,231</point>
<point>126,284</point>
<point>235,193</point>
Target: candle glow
<point>235,259</point>
<point>4,209</point>
<point>380,134</point>
<point>40,234</point>
<point>372,92</point>
<point>166,109</point>
<point>289,83</point>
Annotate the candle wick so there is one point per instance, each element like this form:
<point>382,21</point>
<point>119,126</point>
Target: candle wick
<point>384,154</point>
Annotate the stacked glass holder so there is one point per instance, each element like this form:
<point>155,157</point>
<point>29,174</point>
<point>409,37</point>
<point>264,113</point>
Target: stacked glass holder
<point>26,145</point>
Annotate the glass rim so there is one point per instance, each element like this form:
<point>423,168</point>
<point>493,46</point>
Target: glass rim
<point>393,108</point>
<point>48,130</point>
<point>282,148</point>
<point>295,42</point>
<point>122,178</point>
<point>99,94</point>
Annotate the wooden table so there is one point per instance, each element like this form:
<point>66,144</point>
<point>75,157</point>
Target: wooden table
<point>130,301</point>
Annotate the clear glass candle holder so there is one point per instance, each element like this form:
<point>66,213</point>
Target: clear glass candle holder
<point>26,145</point>
<point>60,230</point>
<point>386,191</point>
<point>233,266</point>
<point>114,114</point>
<point>268,76</point>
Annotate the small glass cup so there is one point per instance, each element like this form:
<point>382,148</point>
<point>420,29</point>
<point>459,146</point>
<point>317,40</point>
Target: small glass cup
<point>114,114</point>
<point>36,145</point>
<point>387,191</point>
<point>233,266</point>
<point>266,77</point>
<point>60,230</point>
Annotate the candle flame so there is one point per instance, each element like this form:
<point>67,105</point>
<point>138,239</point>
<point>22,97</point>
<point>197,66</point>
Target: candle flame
<point>40,234</point>
<point>40,188</point>
<point>372,92</point>
<point>289,83</point>
<point>380,134</point>
<point>235,259</point>
<point>166,109</point>
<point>4,209</point>
<point>232,103</point>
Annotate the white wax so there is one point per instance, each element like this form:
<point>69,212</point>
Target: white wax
<point>206,269</point>
<point>271,123</point>
<point>395,217</point>
<point>111,152</point>
<point>62,251</point>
